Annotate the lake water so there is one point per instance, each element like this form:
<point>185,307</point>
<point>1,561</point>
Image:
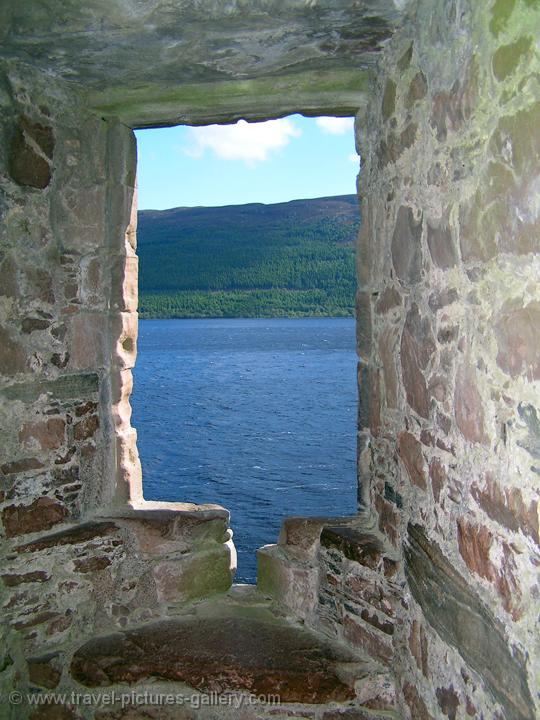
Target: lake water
<point>257,415</point>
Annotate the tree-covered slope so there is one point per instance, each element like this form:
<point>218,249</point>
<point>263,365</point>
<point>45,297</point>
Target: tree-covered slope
<point>286,259</point>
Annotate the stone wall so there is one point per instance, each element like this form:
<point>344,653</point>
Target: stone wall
<point>448,325</point>
<point>437,577</point>
<point>80,550</point>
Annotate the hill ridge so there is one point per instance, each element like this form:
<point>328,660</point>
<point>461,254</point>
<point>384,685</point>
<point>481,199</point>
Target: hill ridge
<point>294,258</point>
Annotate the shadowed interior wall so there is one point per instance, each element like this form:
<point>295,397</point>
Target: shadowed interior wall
<point>448,326</point>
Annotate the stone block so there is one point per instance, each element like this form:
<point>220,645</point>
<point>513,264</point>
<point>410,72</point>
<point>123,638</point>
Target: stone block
<point>44,671</point>
<point>199,574</point>
<point>363,325</point>
<point>290,583</point>
<point>516,331</point>
<point>441,244</point>
<point>406,246</point>
<point>367,639</point>
<point>31,153</point>
<point>77,535</point>
<point>355,544</point>
<point>461,619</point>
<point>12,355</point>
<point>123,330</point>
<point>124,283</point>
<point>387,352</point>
<point>469,409</point>
<point>158,534</point>
<point>128,467</point>
<point>46,434</point>
<point>89,334</point>
<point>389,299</point>
<point>40,515</point>
<point>410,451</point>
<point>65,387</point>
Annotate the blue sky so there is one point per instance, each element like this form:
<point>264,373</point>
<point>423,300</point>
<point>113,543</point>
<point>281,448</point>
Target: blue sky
<point>267,162</point>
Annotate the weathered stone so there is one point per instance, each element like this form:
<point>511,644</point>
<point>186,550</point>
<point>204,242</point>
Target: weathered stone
<point>460,618</point>
<point>389,298</point>
<point>356,545</point>
<point>419,647</point>
<point>14,579</point>
<point>415,703</point>
<point>42,514</point>
<point>441,244</point>
<point>73,536</point>
<point>451,110</point>
<point>406,246</point>
<point>389,521</point>
<point>474,546</point>
<point>20,466</point>
<point>410,451</point>
<point>517,330</point>
<point>387,353</point>
<point>507,57</point>
<point>49,434</point>
<point>43,671</point>
<point>417,347</point>
<point>437,475</point>
<point>27,165</point>
<point>195,575</point>
<point>500,15</point>
<point>475,543</point>
<point>86,428</point>
<point>375,400</point>
<point>448,701</point>
<point>363,325</point>
<point>241,654</point>
<point>92,564</point>
<point>64,387</point>
<point>384,626</point>
<point>12,354</point>
<point>405,60</point>
<point>507,507</point>
<point>389,100</point>
<point>417,89</point>
<point>378,645</point>
<point>469,407</point>
<point>29,325</point>
<point>391,494</point>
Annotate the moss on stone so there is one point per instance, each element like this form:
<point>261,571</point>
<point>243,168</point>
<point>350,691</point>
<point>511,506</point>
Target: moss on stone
<point>500,15</point>
<point>508,57</point>
<point>389,100</point>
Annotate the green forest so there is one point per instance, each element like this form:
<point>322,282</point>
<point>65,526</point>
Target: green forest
<point>292,259</point>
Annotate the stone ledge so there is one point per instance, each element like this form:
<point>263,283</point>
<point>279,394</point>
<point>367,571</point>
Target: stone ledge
<point>241,654</point>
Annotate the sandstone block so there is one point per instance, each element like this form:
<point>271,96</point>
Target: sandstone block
<point>406,246</point>
<point>410,451</point>
<point>469,409</point>
<point>517,330</point>
<point>42,514</point>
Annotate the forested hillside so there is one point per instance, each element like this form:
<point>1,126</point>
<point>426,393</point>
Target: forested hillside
<point>287,259</point>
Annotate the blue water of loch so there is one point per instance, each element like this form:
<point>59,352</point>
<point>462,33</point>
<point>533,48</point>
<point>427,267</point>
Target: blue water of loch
<point>257,415</point>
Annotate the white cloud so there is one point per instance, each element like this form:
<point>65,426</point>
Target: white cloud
<point>334,125</point>
<point>354,158</point>
<point>251,142</point>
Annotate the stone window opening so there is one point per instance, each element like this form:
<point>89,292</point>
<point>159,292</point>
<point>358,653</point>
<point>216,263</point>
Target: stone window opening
<point>129,465</point>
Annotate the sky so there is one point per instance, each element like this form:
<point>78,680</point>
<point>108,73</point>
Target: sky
<point>268,162</point>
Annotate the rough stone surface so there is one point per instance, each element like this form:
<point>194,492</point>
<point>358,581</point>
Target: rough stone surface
<point>251,655</point>
<point>459,616</point>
